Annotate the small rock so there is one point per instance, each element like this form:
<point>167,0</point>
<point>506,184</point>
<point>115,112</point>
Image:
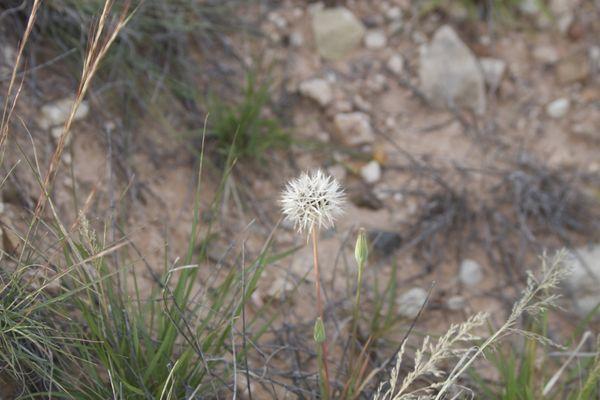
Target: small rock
<point>470,273</point>
<point>450,74</point>
<point>575,68</point>
<point>396,64</point>
<point>594,53</point>
<point>337,32</point>
<point>375,40</point>
<point>56,113</point>
<point>584,280</point>
<point>456,303</point>
<point>371,172</point>
<point>277,20</point>
<point>296,39</point>
<point>546,54</point>
<point>8,57</point>
<point>355,128</point>
<point>410,302</point>
<point>493,71</point>
<point>318,90</point>
<point>558,108</point>
<point>393,14</point>
<point>530,7</point>
<point>383,242</point>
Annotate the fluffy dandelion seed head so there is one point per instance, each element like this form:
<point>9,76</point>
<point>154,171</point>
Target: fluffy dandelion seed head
<point>313,200</point>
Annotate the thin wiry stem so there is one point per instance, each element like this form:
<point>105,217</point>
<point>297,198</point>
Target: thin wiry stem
<point>314,232</point>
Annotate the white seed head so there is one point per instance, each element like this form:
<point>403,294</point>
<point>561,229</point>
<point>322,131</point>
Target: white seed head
<point>312,200</point>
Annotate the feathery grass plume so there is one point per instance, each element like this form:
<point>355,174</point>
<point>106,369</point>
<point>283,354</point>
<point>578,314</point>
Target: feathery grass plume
<point>536,297</point>
<point>313,200</point>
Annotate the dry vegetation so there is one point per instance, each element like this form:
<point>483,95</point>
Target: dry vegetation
<point>145,256</point>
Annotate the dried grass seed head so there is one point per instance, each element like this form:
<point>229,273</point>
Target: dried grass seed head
<point>313,200</point>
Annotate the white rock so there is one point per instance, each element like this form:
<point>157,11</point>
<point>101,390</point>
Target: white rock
<point>470,273</point>
<point>558,108</point>
<point>318,90</point>
<point>546,54</point>
<point>355,128</point>
<point>450,74</point>
<point>337,32</point>
<point>410,302</point>
<point>296,39</point>
<point>396,64</point>
<point>375,40</point>
<point>54,114</point>
<point>584,280</point>
<point>493,71</point>
<point>394,13</point>
<point>371,172</point>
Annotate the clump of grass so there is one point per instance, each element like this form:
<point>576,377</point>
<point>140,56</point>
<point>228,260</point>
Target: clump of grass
<point>242,129</point>
<point>33,346</point>
<point>159,45</point>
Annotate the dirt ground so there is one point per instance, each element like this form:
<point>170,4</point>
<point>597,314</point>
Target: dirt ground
<point>445,175</point>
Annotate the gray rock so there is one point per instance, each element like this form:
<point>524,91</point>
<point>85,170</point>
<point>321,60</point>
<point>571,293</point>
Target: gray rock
<point>584,280</point>
<point>456,303</point>
<point>56,113</point>
<point>375,40</point>
<point>410,302</point>
<point>558,108</point>
<point>337,32</point>
<point>396,64</point>
<point>450,74</point>
<point>317,89</point>
<point>470,273</point>
<point>493,71</point>
<point>355,128</point>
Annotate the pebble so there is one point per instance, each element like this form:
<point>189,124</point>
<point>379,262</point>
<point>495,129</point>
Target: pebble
<point>396,64</point>
<point>410,302</point>
<point>393,14</point>
<point>371,172</point>
<point>56,113</point>
<point>296,39</point>
<point>558,108</point>
<point>470,273</point>
<point>450,73</point>
<point>584,279</point>
<point>493,71</point>
<point>355,128</point>
<point>318,90</point>
<point>375,40</point>
<point>337,31</point>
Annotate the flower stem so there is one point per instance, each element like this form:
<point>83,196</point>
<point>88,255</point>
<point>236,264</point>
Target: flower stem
<point>320,308</point>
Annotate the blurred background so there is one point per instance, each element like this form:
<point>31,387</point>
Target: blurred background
<point>465,134</point>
